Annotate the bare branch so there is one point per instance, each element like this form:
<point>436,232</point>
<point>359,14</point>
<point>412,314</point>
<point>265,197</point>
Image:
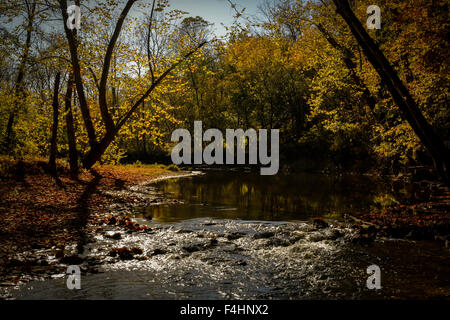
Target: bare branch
<point>106,65</point>
<point>154,84</point>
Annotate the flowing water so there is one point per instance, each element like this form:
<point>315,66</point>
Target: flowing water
<point>244,236</point>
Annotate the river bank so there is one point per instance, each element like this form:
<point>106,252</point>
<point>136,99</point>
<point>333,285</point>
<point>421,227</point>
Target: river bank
<point>44,215</point>
<point>420,220</point>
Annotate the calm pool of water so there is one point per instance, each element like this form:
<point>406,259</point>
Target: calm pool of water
<point>294,197</point>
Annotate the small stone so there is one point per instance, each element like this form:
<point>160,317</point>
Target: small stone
<point>264,235</point>
<point>114,236</point>
<point>191,249</point>
<point>59,254</point>
<point>125,254</point>
<point>320,224</point>
<point>335,234</point>
<point>136,250</point>
<point>43,263</point>
<point>15,263</point>
<point>184,231</point>
<point>113,253</point>
<point>112,221</point>
<point>157,252</point>
<point>233,235</point>
<point>72,260</point>
<point>36,245</point>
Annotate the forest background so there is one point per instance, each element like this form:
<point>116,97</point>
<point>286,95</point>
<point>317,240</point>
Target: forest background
<point>296,66</point>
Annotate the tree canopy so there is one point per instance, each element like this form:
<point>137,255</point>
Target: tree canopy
<point>126,81</point>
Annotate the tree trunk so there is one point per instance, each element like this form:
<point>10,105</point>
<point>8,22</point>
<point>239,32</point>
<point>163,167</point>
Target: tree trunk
<point>53,141</point>
<point>73,156</point>
<point>411,112</point>
<point>95,154</point>
<point>76,68</point>
<point>102,101</point>
<point>19,81</point>
<point>98,148</point>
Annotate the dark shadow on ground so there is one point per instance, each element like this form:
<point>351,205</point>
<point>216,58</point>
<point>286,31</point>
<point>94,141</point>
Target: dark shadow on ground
<point>83,210</point>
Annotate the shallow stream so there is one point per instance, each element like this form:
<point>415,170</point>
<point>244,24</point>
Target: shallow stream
<point>245,236</point>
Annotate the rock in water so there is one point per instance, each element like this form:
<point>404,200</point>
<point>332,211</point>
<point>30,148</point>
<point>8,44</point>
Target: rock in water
<point>264,235</point>
<point>113,235</point>
<point>320,224</point>
<point>157,252</point>
<point>124,253</point>
<point>71,260</point>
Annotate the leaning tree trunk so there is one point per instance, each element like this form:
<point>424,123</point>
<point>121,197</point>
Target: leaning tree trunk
<point>73,156</point>
<point>53,141</point>
<point>409,108</point>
